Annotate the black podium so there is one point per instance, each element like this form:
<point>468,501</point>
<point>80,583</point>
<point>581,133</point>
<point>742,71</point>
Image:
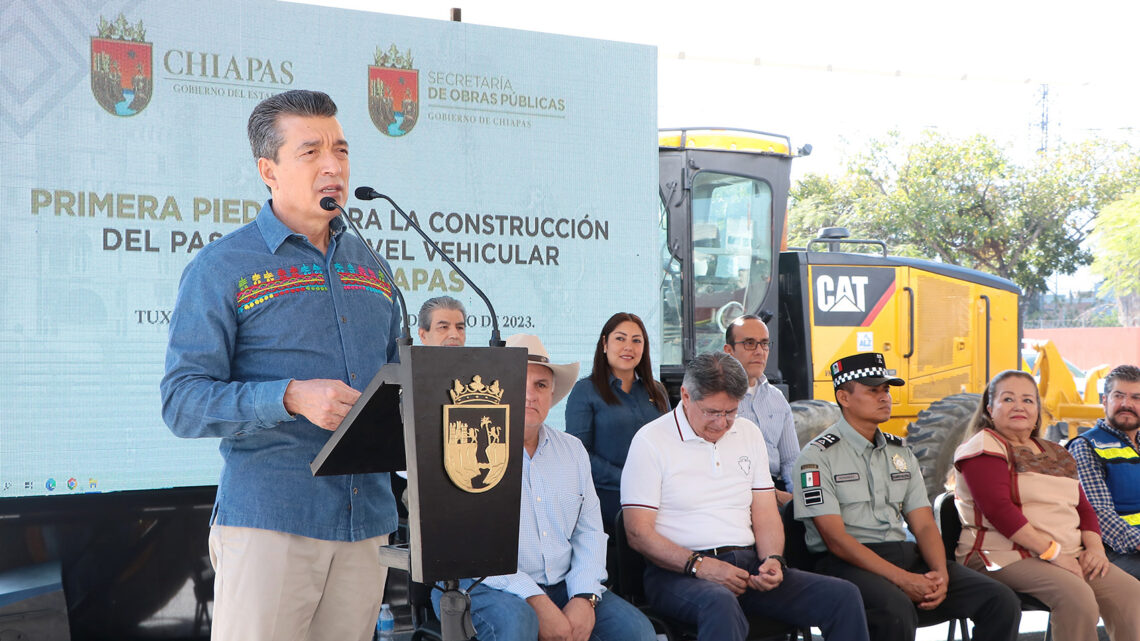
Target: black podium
<point>453,418</point>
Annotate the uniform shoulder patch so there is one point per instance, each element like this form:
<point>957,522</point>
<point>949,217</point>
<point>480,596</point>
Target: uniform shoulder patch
<point>893,439</point>
<point>825,441</point>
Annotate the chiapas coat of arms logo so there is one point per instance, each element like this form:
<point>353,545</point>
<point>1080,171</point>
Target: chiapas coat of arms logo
<point>393,91</point>
<point>475,436</point>
<point>121,75</point>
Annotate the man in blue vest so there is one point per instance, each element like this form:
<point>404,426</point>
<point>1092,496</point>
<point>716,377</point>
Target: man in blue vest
<point>1108,460</point>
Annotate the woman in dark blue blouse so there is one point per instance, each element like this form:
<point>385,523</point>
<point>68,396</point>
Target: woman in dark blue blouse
<point>607,408</point>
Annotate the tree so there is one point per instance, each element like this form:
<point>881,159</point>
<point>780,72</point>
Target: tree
<point>966,202</point>
<point>1116,236</point>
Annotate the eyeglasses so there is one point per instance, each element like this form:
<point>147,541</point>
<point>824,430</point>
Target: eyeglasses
<point>750,344</point>
<point>712,416</point>
<point>1120,396</point>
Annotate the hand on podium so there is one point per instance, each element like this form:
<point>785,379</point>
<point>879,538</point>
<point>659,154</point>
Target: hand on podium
<point>325,402</point>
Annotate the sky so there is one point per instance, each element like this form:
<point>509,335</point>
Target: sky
<point>836,74</point>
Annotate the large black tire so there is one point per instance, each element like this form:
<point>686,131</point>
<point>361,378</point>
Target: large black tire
<point>812,417</point>
<point>936,433</point>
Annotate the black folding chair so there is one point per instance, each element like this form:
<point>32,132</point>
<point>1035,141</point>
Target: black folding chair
<point>424,620</point>
<point>796,552</point>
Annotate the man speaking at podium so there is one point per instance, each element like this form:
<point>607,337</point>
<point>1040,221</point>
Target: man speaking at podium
<point>277,328</point>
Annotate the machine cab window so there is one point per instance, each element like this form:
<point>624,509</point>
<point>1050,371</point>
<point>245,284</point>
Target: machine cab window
<point>731,233</point>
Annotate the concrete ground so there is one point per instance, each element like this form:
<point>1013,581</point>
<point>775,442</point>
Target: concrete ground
<point>1033,624</point>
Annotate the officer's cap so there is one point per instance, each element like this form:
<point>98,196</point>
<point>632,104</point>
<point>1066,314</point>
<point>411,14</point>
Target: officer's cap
<point>868,368</point>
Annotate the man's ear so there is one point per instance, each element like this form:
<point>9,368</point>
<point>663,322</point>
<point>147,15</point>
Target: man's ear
<point>842,396</point>
<point>268,172</point>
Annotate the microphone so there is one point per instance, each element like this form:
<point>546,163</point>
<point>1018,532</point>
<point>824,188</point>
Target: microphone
<point>328,203</point>
<point>368,193</point>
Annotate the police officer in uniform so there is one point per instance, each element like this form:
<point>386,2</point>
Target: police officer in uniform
<point>857,488</point>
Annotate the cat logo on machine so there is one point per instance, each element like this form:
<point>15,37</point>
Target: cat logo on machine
<point>850,297</point>
<point>122,79</point>
<point>476,442</point>
<point>842,294</point>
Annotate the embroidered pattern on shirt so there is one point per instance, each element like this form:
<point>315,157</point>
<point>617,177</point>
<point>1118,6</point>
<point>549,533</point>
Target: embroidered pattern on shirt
<point>259,287</point>
<point>356,277</point>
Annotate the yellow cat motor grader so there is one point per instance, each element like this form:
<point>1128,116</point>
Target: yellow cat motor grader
<point>944,329</point>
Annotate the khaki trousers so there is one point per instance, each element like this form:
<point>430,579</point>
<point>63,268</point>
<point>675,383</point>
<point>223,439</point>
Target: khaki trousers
<point>272,586</point>
<point>1077,604</point>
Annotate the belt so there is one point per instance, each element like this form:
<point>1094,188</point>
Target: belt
<point>724,549</point>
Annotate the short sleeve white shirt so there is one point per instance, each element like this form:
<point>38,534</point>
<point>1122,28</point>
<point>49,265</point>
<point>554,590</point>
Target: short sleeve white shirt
<point>702,491</point>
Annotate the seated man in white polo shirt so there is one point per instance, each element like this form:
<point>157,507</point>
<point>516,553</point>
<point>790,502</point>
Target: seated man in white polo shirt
<point>698,502</point>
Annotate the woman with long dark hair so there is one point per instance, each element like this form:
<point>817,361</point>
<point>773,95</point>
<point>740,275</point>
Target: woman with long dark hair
<point>607,408</point>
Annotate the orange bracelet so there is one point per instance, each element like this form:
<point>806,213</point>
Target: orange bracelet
<point>1052,552</point>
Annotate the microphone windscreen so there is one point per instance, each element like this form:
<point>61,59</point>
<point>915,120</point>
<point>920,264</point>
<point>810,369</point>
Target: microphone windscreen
<point>328,203</point>
<point>365,193</point>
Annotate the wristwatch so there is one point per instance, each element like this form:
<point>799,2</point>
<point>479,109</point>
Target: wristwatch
<point>591,597</point>
<point>783,562</point>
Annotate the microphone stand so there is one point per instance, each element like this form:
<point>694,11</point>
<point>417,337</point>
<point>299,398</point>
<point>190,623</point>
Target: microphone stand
<point>368,193</point>
<point>328,203</point>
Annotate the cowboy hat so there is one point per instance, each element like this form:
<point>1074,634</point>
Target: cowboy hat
<point>564,375</point>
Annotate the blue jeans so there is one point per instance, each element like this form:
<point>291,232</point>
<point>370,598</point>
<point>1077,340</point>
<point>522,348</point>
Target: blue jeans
<point>802,599</point>
<point>502,616</point>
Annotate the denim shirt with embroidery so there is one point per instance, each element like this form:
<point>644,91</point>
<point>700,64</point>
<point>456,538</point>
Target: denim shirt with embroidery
<point>256,309</point>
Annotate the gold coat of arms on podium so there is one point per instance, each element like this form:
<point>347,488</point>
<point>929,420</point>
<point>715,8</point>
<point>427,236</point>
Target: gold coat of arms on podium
<point>475,435</point>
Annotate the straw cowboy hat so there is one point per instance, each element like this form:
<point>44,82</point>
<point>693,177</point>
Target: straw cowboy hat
<point>564,375</point>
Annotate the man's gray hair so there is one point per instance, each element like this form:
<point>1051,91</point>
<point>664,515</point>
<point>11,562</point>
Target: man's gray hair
<point>265,137</point>
<point>714,372</point>
<point>439,302</point>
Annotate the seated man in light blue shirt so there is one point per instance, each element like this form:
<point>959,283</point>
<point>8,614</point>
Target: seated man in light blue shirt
<point>557,592</point>
<point>747,340</point>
